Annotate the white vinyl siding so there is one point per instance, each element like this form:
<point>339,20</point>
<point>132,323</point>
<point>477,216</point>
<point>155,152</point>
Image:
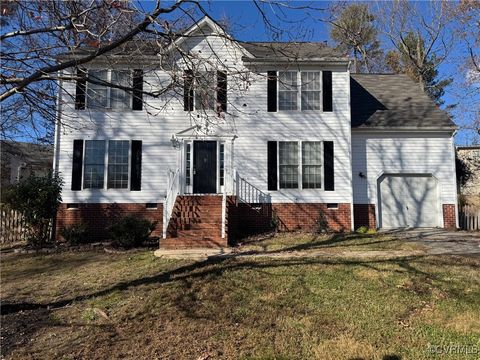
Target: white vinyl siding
<point>375,154</point>
<point>252,125</point>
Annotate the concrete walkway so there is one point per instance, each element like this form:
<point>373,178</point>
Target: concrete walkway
<point>433,241</point>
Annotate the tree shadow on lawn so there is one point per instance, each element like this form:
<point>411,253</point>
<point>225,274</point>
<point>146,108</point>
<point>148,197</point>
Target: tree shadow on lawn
<point>217,265</point>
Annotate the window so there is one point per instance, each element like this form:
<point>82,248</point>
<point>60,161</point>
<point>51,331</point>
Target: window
<point>105,97</point>
<point>205,94</point>
<point>288,164</point>
<point>118,151</point>
<point>97,94</point>
<point>188,162</point>
<point>222,164</point>
<point>311,165</point>
<point>94,164</point>
<point>310,90</point>
<point>287,90</point>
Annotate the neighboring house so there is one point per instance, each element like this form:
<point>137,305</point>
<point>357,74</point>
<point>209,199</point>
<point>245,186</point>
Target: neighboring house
<point>470,188</point>
<point>297,142</point>
<point>22,159</point>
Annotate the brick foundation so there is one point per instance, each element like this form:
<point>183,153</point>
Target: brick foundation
<point>364,215</point>
<point>248,219</point>
<point>98,217</point>
<point>449,216</point>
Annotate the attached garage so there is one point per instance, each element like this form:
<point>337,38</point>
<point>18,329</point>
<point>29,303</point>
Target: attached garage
<point>408,200</point>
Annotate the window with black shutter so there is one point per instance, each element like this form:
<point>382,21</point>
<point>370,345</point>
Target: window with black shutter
<point>188,90</point>
<point>328,161</point>
<point>137,101</point>
<point>77,165</point>
<point>327,91</point>
<point>136,166</point>
<point>80,89</point>
<point>271,91</point>
<point>272,165</point>
<point>221,91</point>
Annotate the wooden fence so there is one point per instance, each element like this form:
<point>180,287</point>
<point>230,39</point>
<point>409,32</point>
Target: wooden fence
<point>13,227</point>
<point>469,217</point>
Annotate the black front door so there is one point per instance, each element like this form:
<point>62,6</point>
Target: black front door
<point>204,167</point>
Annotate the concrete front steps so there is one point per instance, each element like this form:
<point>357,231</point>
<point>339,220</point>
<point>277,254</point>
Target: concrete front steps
<point>196,222</point>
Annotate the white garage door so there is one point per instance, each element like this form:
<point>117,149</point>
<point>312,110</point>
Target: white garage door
<point>408,201</point>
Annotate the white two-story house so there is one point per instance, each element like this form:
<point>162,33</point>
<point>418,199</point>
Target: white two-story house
<point>220,139</point>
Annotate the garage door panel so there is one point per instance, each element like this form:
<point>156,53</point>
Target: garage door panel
<point>408,201</point>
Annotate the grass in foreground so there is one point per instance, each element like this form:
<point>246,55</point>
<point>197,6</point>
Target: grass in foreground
<point>136,306</point>
<point>329,242</point>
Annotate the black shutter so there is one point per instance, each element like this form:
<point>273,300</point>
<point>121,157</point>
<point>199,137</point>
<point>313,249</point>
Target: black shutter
<point>137,101</point>
<point>77,165</point>
<point>271,91</point>
<point>327,91</point>
<point>188,90</point>
<point>272,165</point>
<point>222,91</point>
<point>80,90</point>
<point>136,166</point>
<point>328,165</point>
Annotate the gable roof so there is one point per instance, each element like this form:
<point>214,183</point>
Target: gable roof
<point>393,101</point>
<point>32,154</point>
<point>291,50</point>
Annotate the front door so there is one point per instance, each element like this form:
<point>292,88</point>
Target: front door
<point>204,167</point>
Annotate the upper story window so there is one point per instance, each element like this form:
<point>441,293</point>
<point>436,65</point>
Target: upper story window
<point>299,90</point>
<point>291,93</point>
<point>287,90</point>
<point>310,90</point>
<point>107,97</point>
<point>205,91</point>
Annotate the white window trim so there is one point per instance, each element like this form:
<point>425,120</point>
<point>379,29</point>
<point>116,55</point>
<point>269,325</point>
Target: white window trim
<point>278,91</point>
<point>299,90</point>
<point>105,166</point>
<point>300,166</point>
<point>109,90</point>
<point>321,90</point>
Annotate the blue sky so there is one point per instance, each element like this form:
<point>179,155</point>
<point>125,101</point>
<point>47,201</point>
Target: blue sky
<point>247,24</point>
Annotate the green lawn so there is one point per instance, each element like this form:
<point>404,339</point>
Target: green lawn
<point>87,305</point>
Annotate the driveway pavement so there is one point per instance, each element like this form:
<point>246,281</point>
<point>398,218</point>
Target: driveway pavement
<point>440,241</point>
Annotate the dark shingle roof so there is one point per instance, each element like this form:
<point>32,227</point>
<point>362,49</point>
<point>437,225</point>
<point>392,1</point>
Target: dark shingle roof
<point>33,154</point>
<point>393,101</point>
<point>292,50</point>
